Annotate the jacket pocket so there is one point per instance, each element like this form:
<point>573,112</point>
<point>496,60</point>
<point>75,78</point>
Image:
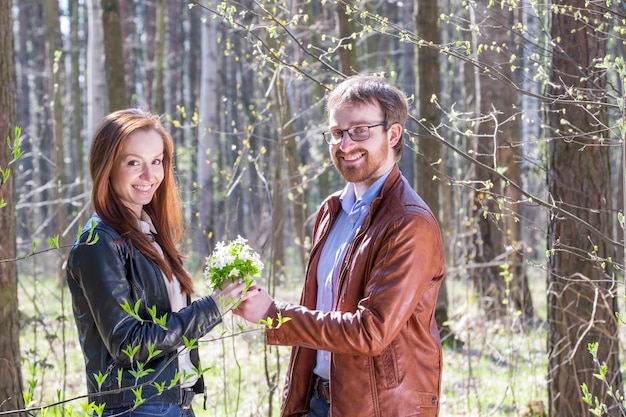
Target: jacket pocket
<point>386,368</point>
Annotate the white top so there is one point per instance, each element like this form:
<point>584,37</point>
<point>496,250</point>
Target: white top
<point>178,300</point>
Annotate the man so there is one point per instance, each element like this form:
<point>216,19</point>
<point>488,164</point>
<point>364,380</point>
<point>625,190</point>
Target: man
<point>365,338</point>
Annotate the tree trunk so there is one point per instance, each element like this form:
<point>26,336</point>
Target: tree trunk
<point>429,152</point>
<point>24,107</point>
<point>96,88</point>
<point>499,275</point>
<point>54,71</point>
<point>158,94</point>
<point>77,138</point>
<point>11,375</point>
<point>582,292</point>
<point>208,137</point>
<point>347,48</point>
<point>113,55</point>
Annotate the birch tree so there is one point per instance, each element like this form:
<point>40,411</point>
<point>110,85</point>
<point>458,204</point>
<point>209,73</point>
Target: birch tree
<point>208,137</point>
<point>96,98</point>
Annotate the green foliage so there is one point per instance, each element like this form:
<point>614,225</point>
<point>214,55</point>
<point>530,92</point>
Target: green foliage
<point>140,371</point>
<point>134,311</point>
<point>138,396</point>
<point>597,406</point>
<point>160,386</point>
<point>120,376</point>
<point>158,320</point>
<point>100,378</point>
<point>28,394</point>
<point>269,322</point>
<point>16,154</point>
<point>190,344</point>
<point>131,351</point>
<point>175,380</point>
<point>53,244</point>
<point>97,408</point>
<point>153,352</point>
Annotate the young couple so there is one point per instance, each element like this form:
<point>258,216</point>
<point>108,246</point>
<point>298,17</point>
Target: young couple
<point>364,337</point>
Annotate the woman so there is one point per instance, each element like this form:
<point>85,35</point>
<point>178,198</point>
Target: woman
<point>130,291</point>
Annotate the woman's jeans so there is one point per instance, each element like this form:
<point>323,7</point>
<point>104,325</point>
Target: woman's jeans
<point>149,410</point>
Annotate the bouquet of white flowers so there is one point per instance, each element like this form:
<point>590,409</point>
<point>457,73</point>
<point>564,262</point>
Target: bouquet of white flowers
<point>231,262</point>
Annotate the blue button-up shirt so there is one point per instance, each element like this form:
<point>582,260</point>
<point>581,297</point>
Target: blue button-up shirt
<point>344,229</point>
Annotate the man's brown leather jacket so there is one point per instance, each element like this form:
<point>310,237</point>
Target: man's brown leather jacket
<point>385,347</point>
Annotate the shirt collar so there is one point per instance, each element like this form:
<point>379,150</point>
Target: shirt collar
<point>145,222</point>
<point>348,195</point>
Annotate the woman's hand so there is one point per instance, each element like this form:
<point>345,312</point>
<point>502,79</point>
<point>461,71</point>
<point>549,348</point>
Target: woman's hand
<point>255,305</point>
<point>228,296</point>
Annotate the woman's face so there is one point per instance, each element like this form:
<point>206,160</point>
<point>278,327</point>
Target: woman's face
<point>138,171</point>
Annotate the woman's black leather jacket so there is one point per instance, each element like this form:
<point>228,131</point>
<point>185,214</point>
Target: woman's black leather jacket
<point>102,276</point>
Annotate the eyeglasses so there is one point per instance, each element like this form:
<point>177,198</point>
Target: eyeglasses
<point>356,133</point>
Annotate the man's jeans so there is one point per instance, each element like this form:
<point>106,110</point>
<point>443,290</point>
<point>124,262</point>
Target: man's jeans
<point>318,407</point>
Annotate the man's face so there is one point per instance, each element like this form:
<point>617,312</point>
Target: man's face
<point>362,162</point>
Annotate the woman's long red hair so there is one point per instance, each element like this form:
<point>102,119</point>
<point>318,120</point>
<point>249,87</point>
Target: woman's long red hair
<point>164,209</point>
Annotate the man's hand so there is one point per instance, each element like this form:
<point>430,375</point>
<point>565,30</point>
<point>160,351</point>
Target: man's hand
<point>255,305</point>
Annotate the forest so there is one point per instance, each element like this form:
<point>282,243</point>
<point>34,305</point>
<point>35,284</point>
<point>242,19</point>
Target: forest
<point>516,140</point>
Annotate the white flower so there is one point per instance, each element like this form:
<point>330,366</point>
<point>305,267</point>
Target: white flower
<point>232,261</point>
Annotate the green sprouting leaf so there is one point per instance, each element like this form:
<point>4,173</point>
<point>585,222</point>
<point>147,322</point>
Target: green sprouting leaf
<point>140,372</point>
<point>268,322</point>
<point>158,320</point>
<point>152,352</point>
<point>15,147</point>
<point>190,344</point>
<point>98,408</point>
<point>6,173</point>
<point>27,396</point>
<point>133,312</point>
<point>587,397</point>
<point>91,238</point>
<point>130,351</point>
<point>282,320</point>
<point>199,370</point>
<point>53,242</point>
<point>100,378</point>
<point>138,396</point>
<point>175,379</point>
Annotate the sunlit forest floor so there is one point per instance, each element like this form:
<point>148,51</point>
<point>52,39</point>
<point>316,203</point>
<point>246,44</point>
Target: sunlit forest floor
<point>500,369</point>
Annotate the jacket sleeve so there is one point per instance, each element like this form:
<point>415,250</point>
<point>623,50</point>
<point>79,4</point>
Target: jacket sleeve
<point>98,275</point>
<point>391,285</point>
